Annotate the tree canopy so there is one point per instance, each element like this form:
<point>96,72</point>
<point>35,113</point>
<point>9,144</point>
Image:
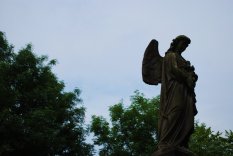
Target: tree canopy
<point>132,130</point>
<point>37,117</point>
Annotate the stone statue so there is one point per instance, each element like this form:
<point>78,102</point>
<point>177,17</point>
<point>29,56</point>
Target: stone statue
<point>177,100</point>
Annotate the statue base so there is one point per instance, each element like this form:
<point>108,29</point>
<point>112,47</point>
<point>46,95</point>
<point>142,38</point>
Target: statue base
<point>179,151</point>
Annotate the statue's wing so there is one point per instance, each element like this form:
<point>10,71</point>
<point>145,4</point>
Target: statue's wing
<point>152,64</point>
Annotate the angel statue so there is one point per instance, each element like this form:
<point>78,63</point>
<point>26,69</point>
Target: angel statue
<point>177,99</point>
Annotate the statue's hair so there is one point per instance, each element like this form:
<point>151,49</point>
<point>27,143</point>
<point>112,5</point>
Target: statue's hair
<point>176,41</point>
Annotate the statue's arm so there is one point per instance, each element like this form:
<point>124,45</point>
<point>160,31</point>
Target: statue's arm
<point>178,73</point>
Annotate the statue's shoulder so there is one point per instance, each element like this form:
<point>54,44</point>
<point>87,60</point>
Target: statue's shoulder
<point>170,55</point>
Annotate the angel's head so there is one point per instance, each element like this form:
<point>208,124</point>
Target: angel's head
<point>179,44</point>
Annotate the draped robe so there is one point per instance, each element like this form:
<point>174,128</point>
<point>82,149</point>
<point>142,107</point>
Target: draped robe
<point>177,105</point>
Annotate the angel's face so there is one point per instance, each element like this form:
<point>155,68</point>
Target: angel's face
<point>181,46</point>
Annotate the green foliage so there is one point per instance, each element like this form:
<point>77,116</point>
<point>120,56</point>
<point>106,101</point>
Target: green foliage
<point>37,117</point>
<point>204,142</point>
<point>132,130</point>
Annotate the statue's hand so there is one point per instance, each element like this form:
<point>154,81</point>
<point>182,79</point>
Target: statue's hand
<point>190,82</point>
<point>195,77</point>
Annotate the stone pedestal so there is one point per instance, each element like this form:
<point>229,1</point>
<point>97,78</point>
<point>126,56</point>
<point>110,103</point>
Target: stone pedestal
<point>179,151</point>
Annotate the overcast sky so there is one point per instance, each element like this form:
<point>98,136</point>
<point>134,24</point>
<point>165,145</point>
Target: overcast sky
<point>99,45</point>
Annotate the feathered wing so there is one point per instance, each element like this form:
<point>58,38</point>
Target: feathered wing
<point>152,64</point>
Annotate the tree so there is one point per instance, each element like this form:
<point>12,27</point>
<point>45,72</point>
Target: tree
<point>204,142</point>
<point>37,117</point>
<point>132,131</point>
